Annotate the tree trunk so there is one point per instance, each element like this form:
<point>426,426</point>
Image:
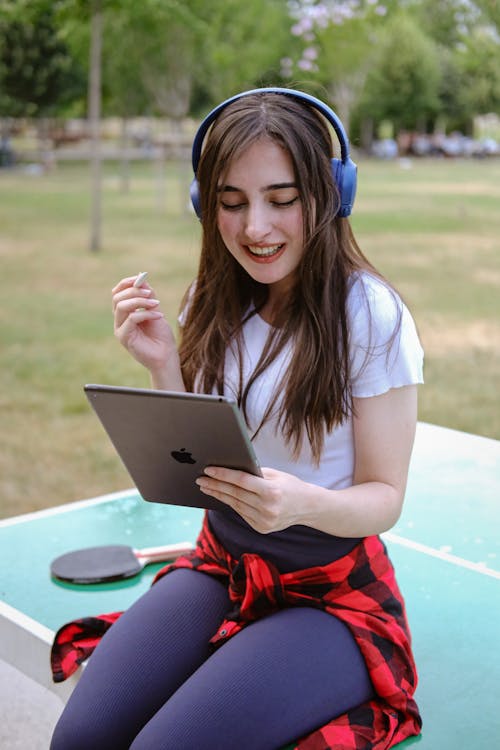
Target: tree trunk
<point>161,178</point>
<point>94,116</point>
<point>367,134</point>
<point>125,157</point>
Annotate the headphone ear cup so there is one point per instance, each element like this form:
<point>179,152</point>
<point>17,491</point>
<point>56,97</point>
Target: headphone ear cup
<point>194,191</point>
<point>345,177</point>
<point>338,179</point>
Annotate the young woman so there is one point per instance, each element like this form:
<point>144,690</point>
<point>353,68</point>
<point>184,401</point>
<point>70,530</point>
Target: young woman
<point>286,624</point>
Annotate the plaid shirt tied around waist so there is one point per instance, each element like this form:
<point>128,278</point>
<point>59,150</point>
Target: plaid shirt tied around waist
<point>359,588</point>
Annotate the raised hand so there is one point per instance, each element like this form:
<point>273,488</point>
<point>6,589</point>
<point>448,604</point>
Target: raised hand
<point>141,327</point>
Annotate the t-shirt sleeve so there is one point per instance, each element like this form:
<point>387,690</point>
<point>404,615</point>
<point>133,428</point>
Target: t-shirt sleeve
<point>384,348</point>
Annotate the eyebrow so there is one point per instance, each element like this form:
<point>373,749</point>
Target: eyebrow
<point>267,188</point>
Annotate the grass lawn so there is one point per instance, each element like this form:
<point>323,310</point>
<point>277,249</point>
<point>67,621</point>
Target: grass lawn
<point>432,227</point>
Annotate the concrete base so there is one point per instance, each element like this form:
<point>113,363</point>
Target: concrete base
<point>28,711</point>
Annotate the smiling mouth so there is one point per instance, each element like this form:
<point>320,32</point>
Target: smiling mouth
<point>264,252</point>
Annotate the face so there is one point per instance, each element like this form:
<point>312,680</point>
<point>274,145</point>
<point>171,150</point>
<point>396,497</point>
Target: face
<point>259,215</point>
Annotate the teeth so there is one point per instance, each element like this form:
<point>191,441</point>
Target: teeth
<point>264,251</point>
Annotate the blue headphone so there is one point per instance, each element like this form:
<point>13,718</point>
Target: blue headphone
<point>344,170</point>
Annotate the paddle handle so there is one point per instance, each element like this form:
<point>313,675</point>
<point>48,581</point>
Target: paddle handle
<point>160,554</point>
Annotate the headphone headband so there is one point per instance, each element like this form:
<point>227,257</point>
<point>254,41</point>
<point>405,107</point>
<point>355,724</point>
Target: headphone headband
<point>343,169</point>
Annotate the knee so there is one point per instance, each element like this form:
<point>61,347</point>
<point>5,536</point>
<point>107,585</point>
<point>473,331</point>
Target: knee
<point>75,732</point>
<point>69,736</point>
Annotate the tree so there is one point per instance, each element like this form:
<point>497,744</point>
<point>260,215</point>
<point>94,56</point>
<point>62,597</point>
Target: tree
<point>242,48</point>
<point>146,68</point>
<point>38,74</point>
<point>467,35</point>
<point>490,10</point>
<point>338,42</point>
<point>447,22</point>
<point>155,48</point>
<point>403,84</point>
<point>94,117</point>
<point>451,115</point>
<point>89,16</point>
<point>479,62</point>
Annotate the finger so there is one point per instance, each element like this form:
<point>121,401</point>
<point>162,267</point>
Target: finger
<point>235,477</point>
<point>142,315</point>
<point>127,282</point>
<point>127,333</point>
<point>127,307</point>
<point>229,495</point>
<point>126,289</point>
<point>131,293</point>
<point>123,284</point>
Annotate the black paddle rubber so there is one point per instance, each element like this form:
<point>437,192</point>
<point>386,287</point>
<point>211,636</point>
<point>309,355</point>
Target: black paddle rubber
<point>112,562</point>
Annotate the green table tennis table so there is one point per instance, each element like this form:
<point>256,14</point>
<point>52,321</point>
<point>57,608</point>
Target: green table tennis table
<point>445,547</point>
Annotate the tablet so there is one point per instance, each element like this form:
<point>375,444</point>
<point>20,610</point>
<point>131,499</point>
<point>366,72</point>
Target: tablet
<point>165,439</point>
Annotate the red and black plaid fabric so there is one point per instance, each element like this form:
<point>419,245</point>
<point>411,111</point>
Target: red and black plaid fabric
<point>75,641</point>
<point>359,588</point>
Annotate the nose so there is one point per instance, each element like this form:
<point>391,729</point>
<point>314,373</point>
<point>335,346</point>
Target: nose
<point>257,222</point>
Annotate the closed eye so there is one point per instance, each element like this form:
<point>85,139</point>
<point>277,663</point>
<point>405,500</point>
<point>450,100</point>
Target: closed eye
<point>276,204</point>
<point>231,206</point>
<point>284,204</point>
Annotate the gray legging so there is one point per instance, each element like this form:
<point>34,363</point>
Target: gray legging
<point>154,684</point>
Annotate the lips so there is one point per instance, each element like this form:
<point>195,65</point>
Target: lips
<point>264,253</point>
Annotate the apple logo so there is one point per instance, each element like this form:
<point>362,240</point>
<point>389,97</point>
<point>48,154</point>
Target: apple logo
<point>183,456</point>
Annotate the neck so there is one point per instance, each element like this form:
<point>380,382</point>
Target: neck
<point>272,309</point>
<point>267,313</point>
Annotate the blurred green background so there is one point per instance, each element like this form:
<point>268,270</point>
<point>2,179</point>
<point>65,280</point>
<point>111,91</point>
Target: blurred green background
<point>417,81</point>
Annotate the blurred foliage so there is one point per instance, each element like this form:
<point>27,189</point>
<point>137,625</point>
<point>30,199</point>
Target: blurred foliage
<point>443,56</point>
<point>38,74</point>
<point>406,92</point>
<point>408,61</point>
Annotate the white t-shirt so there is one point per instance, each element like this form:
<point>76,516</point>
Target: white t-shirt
<point>379,361</point>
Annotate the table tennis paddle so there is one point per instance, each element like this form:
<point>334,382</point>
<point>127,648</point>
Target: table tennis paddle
<point>112,562</point>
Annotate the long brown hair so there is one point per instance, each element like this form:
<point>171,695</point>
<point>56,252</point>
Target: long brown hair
<point>315,392</point>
